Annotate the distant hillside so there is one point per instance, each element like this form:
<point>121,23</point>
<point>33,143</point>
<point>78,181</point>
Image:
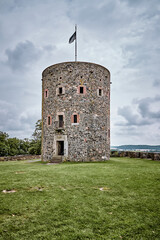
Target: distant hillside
<point>144,148</point>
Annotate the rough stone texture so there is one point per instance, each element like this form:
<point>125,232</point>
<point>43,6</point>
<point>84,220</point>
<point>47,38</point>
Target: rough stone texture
<point>88,140</point>
<point>146,155</point>
<point>157,157</point>
<point>19,157</point>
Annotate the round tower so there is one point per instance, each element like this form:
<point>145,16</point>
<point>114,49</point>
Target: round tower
<point>76,112</point>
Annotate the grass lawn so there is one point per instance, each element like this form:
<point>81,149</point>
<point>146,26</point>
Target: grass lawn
<point>118,199</point>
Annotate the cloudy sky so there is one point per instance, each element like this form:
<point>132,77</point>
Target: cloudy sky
<point>122,35</point>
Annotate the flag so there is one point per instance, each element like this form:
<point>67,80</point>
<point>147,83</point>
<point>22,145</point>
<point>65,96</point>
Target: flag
<point>73,37</point>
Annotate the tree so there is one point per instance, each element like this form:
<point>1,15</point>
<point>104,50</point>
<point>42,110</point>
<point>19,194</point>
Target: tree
<point>35,145</point>
<point>4,148</point>
<point>24,146</point>
<point>38,130</point>
<point>14,146</point>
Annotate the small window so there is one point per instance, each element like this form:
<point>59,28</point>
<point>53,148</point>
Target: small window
<point>60,117</point>
<point>81,90</point>
<point>74,118</point>
<point>46,93</point>
<point>61,123</point>
<point>49,120</point>
<point>60,90</point>
<point>100,92</point>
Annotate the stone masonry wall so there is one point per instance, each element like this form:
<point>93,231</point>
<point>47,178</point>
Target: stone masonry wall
<point>89,139</point>
<point>132,154</point>
<point>19,157</point>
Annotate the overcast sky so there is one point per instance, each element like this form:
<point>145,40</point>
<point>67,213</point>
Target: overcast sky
<point>121,35</point>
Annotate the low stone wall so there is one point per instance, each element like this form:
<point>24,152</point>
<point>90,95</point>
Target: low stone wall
<point>19,157</point>
<point>147,155</point>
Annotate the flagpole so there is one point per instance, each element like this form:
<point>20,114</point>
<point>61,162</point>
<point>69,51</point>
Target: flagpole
<point>76,44</point>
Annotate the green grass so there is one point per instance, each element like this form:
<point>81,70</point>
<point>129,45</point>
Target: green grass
<point>64,201</point>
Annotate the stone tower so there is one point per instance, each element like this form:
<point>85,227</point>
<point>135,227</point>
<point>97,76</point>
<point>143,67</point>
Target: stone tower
<point>76,112</point>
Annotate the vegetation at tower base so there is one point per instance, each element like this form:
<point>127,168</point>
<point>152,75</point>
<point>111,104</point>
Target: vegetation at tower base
<point>15,146</point>
<point>116,199</point>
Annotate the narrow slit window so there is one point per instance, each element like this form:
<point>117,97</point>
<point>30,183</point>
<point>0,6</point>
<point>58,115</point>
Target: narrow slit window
<point>60,90</point>
<point>75,118</point>
<point>46,93</point>
<point>81,90</point>
<point>49,120</point>
<point>99,92</point>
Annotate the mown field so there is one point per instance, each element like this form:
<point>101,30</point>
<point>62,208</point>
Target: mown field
<point>118,199</point>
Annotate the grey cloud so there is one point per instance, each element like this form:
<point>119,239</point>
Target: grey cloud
<point>131,119</point>
<point>145,107</point>
<point>128,131</point>
<point>95,16</point>
<point>143,6</point>
<point>49,48</point>
<point>8,114</point>
<point>13,119</point>
<point>145,114</point>
<point>15,5</point>
<point>22,56</point>
<point>143,54</point>
<point>119,17</point>
<point>156,83</point>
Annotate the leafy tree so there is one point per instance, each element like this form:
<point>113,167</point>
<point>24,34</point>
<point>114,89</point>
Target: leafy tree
<point>24,146</point>
<point>3,136</point>
<point>35,145</point>
<point>38,130</point>
<point>14,146</point>
<point>4,148</point>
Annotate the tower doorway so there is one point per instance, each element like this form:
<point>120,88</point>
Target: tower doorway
<point>60,148</point>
